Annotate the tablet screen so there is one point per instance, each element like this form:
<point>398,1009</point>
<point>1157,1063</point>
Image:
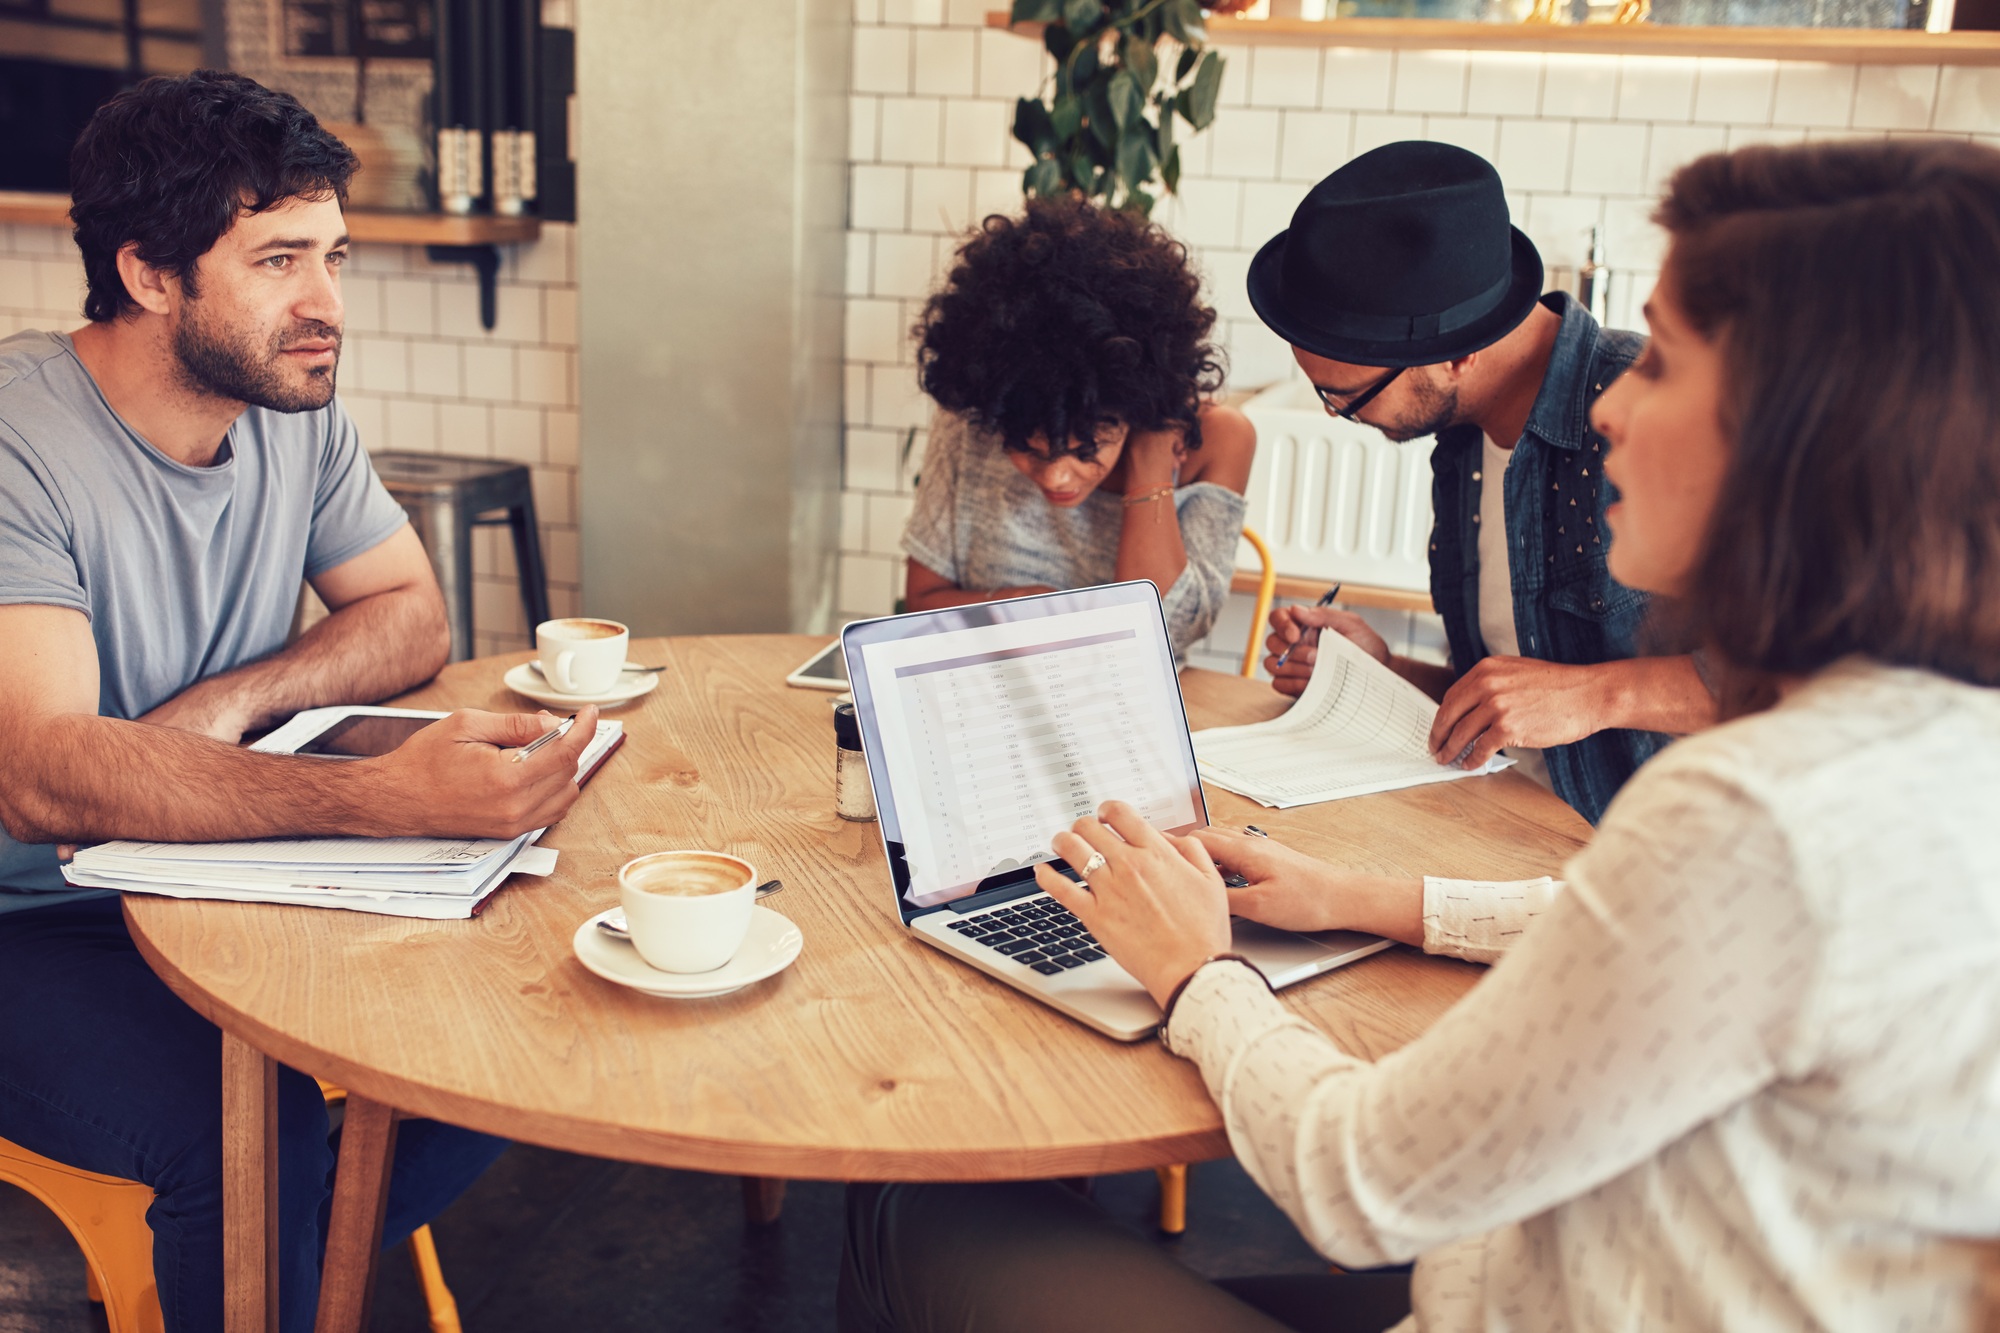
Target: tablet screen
<point>363,737</point>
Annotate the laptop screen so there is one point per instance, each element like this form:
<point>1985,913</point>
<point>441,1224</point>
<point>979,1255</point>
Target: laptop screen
<point>990,727</point>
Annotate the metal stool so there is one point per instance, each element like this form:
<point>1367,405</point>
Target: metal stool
<point>446,498</point>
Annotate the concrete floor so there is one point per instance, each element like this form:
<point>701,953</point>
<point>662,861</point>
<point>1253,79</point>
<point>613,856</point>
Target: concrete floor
<point>551,1241</point>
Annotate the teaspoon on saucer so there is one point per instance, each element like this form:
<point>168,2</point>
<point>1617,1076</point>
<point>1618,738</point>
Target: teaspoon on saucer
<point>614,925</point>
<point>629,668</point>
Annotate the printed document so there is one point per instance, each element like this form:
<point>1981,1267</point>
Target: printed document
<point>1358,728</point>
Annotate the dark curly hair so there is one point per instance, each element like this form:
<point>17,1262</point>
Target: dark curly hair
<point>1067,317</point>
<point>172,162</point>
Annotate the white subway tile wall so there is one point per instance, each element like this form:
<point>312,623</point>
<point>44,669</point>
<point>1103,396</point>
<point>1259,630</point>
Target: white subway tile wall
<point>1581,141</point>
<point>419,373</point>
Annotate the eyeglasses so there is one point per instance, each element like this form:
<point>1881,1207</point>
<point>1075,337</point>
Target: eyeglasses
<point>1360,400</point>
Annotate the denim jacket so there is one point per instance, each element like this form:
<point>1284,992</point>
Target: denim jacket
<point>1567,607</point>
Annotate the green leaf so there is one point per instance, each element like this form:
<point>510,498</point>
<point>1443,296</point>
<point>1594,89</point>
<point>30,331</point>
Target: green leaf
<point>1128,104</point>
<point>1067,117</point>
<point>1058,41</point>
<point>1085,67</point>
<point>1043,179</point>
<point>1170,170</point>
<point>1189,54</point>
<point>1189,12</point>
<point>1138,201</point>
<point>1163,133</point>
<point>1198,105</point>
<point>1033,127</point>
<point>1082,171</point>
<point>1080,16</point>
<point>1135,160</point>
<point>1103,120</point>
<point>1136,54</point>
<point>1034,11</point>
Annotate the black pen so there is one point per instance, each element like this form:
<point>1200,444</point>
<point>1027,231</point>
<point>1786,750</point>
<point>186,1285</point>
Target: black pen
<point>1327,600</point>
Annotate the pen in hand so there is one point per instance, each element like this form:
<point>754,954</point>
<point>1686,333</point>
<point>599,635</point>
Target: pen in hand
<point>559,729</point>
<point>1327,600</point>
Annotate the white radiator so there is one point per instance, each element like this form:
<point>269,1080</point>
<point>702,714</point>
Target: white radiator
<point>1335,500</point>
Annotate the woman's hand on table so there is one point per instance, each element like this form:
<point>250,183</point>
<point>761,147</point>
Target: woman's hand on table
<point>1157,905</point>
<point>1293,891</point>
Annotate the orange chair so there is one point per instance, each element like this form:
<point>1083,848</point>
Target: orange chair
<point>107,1218</point>
<point>1267,592</point>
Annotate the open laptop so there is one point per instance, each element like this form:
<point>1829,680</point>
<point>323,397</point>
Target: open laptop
<point>987,729</point>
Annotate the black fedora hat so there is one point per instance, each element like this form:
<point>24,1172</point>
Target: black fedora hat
<point>1403,257</point>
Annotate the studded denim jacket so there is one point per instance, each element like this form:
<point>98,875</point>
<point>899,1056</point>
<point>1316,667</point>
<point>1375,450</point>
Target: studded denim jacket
<point>1567,607</point>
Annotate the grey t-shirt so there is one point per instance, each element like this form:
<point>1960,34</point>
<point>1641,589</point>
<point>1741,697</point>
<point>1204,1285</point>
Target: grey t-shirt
<point>184,572</point>
<point>982,524</point>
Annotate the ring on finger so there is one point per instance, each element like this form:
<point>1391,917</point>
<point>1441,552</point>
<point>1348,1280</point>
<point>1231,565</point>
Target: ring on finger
<point>1093,865</point>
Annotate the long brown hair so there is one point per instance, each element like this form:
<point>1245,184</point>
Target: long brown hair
<point>1854,290</point>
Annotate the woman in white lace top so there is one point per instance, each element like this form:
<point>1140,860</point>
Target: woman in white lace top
<point>1743,1071</point>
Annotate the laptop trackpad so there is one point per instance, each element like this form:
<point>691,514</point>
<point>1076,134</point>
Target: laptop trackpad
<point>1285,957</point>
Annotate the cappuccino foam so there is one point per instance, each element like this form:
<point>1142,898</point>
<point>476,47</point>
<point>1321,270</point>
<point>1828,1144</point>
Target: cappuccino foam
<point>687,877</point>
<point>583,629</point>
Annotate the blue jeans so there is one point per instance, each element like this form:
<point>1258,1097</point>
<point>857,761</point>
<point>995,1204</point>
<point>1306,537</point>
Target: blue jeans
<point>103,1068</point>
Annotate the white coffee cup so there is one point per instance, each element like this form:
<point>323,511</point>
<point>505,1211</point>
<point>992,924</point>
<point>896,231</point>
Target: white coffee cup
<point>687,911</point>
<point>581,655</point>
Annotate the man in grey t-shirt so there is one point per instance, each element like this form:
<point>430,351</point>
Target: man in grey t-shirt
<point>168,475</point>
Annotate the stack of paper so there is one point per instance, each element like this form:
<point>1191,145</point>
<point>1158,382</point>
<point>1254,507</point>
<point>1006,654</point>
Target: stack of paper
<point>439,878</point>
<point>1358,728</point>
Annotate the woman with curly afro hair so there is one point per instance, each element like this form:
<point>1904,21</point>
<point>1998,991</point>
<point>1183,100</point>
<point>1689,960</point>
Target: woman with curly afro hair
<point>1068,355</point>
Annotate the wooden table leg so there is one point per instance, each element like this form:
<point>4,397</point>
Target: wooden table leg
<point>249,1188</point>
<point>354,1233</point>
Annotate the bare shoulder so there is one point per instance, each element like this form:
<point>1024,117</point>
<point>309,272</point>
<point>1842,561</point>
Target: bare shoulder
<point>1228,446</point>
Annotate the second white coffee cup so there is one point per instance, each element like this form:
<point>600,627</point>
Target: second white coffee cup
<point>687,911</point>
<point>580,655</point>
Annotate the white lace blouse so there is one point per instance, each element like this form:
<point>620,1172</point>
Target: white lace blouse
<point>1743,1073</point>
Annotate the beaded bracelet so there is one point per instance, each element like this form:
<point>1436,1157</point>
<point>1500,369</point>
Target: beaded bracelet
<point>1147,497</point>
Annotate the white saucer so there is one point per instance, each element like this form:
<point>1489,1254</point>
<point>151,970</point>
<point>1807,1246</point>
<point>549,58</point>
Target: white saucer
<point>769,948</point>
<point>523,679</point>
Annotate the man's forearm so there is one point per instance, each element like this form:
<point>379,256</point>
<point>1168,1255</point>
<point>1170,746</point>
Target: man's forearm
<point>1664,694</point>
<point>79,783</point>
<point>367,651</point>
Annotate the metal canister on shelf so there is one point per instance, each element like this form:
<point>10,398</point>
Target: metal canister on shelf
<point>852,797</point>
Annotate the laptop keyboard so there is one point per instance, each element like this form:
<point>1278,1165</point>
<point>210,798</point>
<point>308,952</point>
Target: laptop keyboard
<point>1035,932</point>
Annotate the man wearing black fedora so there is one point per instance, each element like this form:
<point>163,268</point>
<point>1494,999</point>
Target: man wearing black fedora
<point>1416,308</point>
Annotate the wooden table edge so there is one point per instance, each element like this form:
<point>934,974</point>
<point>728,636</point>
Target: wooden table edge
<point>689,1152</point>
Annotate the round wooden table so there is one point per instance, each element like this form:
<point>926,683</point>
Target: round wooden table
<point>873,1056</point>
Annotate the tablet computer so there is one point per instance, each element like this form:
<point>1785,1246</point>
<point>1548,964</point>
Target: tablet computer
<point>347,731</point>
<point>826,670</point>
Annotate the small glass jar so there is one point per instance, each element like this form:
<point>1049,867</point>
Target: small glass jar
<point>852,797</point>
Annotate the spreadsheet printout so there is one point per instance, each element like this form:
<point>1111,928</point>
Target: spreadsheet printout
<point>1358,728</point>
<point>999,736</point>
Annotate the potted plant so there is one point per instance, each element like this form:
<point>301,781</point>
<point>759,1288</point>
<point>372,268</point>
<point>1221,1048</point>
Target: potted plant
<point>1104,125</point>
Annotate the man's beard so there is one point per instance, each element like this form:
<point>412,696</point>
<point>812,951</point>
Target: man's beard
<point>1435,410</point>
<point>215,363</point>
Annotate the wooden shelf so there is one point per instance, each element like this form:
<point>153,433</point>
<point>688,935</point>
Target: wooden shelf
<point>49,210</point>
<point>1351,594</point>
<point>372,228</point>
<point>1850,46</point>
